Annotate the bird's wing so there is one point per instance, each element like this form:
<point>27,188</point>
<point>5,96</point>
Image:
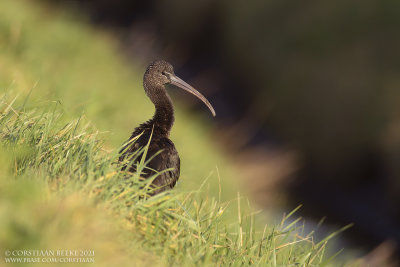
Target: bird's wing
<point>167,162</point>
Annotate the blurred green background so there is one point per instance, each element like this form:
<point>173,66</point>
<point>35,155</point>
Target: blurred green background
<point>48,55</point>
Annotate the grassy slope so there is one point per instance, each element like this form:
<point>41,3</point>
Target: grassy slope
<point>68,62</point>
<point>69,194</point>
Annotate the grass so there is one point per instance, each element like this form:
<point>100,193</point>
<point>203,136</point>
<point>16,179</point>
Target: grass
<point>63,89</point>
<point>53,167</point>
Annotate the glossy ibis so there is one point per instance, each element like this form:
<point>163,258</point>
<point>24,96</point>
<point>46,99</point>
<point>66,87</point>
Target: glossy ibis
<point>161,148</point>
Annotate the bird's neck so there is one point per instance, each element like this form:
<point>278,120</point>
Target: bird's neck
<point>164,116</point>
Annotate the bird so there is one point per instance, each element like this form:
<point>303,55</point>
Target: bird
<point>164,161</point>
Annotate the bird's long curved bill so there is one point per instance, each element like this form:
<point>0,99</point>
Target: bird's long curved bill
<point>187,87</point>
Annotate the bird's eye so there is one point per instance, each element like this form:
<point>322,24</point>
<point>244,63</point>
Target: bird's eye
<point>164,73</point>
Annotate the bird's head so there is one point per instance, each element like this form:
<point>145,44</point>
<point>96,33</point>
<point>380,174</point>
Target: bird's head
<point>158,74</point>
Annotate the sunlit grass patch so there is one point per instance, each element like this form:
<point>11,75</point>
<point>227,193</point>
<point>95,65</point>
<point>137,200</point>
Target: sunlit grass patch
<point>180,228</point>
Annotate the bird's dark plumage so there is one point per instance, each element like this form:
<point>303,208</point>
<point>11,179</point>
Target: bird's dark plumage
<point>157,75</point>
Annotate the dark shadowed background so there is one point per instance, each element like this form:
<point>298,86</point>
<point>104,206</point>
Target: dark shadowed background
<point>307,95</point>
